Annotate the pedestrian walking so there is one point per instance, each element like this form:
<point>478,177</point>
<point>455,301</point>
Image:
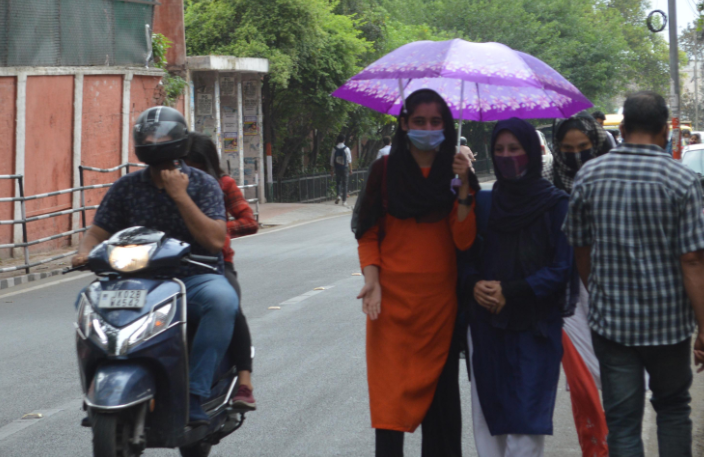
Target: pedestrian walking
<point>686,137</point>
<point>516,289</point>
<point>409,225</point>
<point>635,220</point>
<point>600,118</point>
<point>341,168</point>
<point>386,149</point>
<point>578,140</point>
<point>464,149</point>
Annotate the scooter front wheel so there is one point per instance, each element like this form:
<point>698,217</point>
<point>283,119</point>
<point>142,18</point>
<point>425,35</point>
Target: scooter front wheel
<point>111,436</point>
<point>199,449</point>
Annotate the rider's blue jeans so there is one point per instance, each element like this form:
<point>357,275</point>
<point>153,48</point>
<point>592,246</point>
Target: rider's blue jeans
<point>213,303</point>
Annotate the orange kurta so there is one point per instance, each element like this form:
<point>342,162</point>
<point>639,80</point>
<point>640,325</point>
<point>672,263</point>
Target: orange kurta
<point>407,345</point>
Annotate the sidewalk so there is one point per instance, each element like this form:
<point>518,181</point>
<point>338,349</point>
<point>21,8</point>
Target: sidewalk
<point>271,215</point>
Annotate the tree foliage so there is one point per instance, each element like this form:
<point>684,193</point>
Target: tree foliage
<point>314,46</point>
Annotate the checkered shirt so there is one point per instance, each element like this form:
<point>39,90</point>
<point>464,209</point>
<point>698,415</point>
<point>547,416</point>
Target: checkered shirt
<point>639,210</point>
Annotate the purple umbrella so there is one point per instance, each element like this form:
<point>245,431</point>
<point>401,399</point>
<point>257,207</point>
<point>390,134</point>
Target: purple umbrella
<point>479,81</point>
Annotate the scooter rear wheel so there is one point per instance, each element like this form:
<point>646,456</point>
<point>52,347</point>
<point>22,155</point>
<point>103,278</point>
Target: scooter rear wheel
<point>199,449</point>
<point>111,436</point>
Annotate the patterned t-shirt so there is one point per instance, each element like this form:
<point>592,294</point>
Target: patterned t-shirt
<point>135,200</point>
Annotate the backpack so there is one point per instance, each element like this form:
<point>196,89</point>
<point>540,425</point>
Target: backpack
<point>340,159</point>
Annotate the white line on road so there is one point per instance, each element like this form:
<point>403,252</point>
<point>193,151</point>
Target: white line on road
<point>20,424</point>
<point>300,298</point>
<point>43,286</point>
<point>280,229</point>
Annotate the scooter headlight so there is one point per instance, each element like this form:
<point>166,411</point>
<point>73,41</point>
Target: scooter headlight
<point>150,325</point>
<point>127,259</point>
<point>90,324</point>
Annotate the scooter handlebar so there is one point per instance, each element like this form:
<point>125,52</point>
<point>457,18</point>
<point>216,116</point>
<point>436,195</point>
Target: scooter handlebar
<point>72,269</point>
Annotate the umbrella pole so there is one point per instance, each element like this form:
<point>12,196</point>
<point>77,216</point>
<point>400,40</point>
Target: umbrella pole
<point>403,97</point>
<point>459,135</point>
<point>457,182</point>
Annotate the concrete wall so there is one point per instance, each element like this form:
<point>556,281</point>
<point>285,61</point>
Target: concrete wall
<point>168,20</point>
<point>8,95</point>
<point>54,119</point>
<point>48,152</point>
<point>101,132</point>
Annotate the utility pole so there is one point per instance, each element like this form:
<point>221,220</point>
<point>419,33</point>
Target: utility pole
<point>696,94</point>
<point>674,81</point>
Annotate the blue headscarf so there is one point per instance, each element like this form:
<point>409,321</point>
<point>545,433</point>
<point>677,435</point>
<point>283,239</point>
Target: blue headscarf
<point>517,203</point>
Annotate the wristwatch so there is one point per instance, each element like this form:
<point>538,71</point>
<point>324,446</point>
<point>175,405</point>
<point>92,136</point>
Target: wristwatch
<point>466,201</point>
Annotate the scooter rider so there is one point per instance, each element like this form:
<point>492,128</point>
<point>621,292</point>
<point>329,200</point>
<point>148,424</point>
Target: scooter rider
<point>186,204</point>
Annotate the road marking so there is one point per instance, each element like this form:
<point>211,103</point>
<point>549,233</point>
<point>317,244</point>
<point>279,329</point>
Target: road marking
<point>43,286</point>
<point>20,424</point>
<point>266,232</point>
<point>307,295</point>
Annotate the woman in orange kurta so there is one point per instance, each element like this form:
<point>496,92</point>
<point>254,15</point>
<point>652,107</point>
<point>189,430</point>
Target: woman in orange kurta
<point>409,225</point>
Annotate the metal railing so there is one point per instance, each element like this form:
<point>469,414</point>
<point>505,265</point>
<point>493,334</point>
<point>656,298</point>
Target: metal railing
<point>254,200</point>
<point>24,220</point>
<point>314,188</point>
<point>25,244</point>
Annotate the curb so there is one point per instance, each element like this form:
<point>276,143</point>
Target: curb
<point>24,279</point>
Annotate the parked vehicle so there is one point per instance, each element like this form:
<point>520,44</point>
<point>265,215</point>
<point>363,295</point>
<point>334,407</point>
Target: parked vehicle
<point>133,343</point>
<point>693,158</point>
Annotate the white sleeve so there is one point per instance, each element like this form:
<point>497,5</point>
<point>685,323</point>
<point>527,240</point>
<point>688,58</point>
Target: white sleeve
<point>349,157</point>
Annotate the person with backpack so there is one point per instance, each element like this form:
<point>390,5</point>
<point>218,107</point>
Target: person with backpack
<point>341,168</point>
<point>408,223</point>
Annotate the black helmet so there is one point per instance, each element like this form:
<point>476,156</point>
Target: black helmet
<point>463,141</point>
<point>160,134</point>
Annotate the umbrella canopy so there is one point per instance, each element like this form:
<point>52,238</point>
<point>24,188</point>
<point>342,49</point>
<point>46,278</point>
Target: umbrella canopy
<point>497,82</point>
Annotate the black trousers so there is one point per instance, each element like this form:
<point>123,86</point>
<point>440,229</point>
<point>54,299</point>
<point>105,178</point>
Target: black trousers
<point>442,425</point>
<point>241,343</point>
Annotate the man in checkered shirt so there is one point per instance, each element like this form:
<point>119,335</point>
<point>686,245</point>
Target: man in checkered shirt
<point>636,222</point>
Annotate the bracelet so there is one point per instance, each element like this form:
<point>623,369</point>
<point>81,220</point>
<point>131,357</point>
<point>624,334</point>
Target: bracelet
<point>466,201</point>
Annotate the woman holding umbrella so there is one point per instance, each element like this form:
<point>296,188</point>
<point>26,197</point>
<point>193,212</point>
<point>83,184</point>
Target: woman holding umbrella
<point>409,225</point>
<point>516,290</point>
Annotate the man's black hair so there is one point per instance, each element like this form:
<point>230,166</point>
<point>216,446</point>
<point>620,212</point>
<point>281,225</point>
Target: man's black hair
<point>645,112</point>
<point>386,140</point>
<point>598,115</point>
<point>340,139</point>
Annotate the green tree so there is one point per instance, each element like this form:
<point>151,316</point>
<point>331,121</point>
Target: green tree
<point>311,50</point>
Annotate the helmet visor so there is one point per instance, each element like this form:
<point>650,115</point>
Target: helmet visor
<point>150,133</point>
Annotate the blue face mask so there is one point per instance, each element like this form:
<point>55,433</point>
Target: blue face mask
<point>426,140</point>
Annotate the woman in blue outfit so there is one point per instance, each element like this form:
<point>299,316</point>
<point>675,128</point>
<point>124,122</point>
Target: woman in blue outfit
<point>515,283</point>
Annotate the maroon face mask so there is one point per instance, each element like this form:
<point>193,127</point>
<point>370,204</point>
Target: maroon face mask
<point>512,168</point>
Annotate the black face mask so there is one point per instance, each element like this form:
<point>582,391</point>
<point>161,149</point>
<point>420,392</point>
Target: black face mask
<point>576,161</point>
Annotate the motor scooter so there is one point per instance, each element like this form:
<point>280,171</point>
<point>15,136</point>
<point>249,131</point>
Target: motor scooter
<point>133,342</point>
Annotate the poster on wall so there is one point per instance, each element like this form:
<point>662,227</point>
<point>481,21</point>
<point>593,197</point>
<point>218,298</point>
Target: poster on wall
<point>229,142</point>
<point>232,163</point>
<point>249,89</point>
<point>228,88</point>
<point>204,105</point>
<point>251,106</point>
<point>251,128</point>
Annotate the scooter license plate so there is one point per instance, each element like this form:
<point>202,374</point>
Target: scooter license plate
<point>131,299</point>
